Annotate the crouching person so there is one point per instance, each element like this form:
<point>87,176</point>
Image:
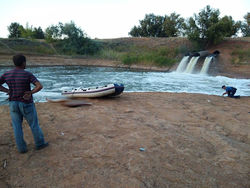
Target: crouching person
<point>230,91</point>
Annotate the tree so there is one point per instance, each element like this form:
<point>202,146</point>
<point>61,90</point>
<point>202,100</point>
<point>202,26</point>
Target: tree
<point>27,32</point>
<point>158,26</point>
<point>151,26</point>
<point>208,28</point>
<point>173,25</point>
<point>71,39</point>
<point>74,38</point>
<point>70,30</point>
<point>15,30</point>
<point>192,30</point>
<point>136,31</point>
<point>245,27</point>
<point>53,32</point>
<point>38,33</point>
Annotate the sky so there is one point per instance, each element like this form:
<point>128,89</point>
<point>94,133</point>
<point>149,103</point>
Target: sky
<point>106,18</point>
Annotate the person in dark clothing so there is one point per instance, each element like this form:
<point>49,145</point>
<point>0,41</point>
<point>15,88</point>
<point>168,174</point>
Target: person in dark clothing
<point>21,102</point>
<point>230,91</point>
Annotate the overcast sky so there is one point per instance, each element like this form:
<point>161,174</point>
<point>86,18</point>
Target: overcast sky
<point>106,18</point>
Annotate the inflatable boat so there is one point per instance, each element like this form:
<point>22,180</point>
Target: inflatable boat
<point>93,92</point>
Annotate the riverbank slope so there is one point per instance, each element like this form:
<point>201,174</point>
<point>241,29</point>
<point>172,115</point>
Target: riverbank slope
<point>233,60</point>
<point>190,140</point>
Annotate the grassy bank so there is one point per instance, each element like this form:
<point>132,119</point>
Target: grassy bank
<point>145,51</point>
<point>241,56</point>
<point>26,46</point>
<point>159,52</point>
<point>141,51</point>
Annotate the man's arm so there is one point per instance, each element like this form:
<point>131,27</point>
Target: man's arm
<point>37,88</point>
<point>224,93</point>
<point>3,89</point>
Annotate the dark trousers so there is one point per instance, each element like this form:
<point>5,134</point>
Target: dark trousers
<point>231,93</point>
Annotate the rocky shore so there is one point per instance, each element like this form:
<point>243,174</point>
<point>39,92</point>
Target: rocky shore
<point>186,140</point>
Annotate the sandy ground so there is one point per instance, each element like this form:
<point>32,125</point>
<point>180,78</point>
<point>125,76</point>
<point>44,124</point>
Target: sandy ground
<point>190,140</point>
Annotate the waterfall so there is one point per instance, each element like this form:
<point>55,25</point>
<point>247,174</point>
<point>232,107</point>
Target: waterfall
<point>181,67</point>
<point>191,64</point>
<point>206,64</point>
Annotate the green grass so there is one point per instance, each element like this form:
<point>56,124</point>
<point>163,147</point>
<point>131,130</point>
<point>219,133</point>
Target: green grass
<point>241,56</point>
<point>130,53</point>
<point>107,53</point>
<point>129,59</point>
<point>28,46</point>
<point>34,49</point>
<point>124,50</point>
<point>159,57</point>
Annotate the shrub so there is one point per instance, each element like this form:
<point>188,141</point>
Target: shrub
<point>241,56</point>
<point>106,53</point>
<point>160,57</point>
<point>129,59</point>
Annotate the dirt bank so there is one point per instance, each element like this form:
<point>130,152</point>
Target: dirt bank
<point>33,60</point>
<point>225,65</point>
<point>190,140</point>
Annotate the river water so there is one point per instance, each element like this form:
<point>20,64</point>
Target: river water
<point>59,78</point>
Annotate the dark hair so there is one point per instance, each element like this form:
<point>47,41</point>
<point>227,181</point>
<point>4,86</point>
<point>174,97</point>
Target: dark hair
<point>223,86</point>
<point>19,59</point>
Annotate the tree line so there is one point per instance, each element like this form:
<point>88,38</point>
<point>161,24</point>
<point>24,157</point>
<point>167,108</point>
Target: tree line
<point>204,28</point>
<point>68,38</point>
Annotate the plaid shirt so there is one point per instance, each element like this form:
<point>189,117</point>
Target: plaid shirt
<point>18,81</point>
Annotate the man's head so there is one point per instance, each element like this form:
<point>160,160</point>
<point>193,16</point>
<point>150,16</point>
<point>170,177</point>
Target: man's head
<point>223,87</point>
<point>19,60</point>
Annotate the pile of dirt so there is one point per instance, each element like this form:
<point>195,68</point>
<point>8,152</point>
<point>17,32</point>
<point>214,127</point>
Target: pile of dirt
<point>135,140</point>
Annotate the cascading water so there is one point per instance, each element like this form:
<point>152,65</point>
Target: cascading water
<point>182,66</point>
<point>191,64</point>
<point>206,65</point>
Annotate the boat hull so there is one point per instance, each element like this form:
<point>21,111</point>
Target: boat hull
<point>103,91</point>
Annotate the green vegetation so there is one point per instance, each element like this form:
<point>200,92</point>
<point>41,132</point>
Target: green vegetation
<point>203,29</point>
<point>18,31</point>
<point>67,38</point>
<point>107,53</point>
<point>27,46</point>
<point>152,52</point>
<point>149,59</point>
<point>207,28</point>
<point>245,27</point>
<point>144,51</point>
<point>159,26</point>
<point>159,57</point>
<point>71,40</point>
<point>241,56</point>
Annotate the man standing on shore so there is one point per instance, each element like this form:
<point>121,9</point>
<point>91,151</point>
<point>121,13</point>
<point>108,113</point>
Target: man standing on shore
<point>21,102</point>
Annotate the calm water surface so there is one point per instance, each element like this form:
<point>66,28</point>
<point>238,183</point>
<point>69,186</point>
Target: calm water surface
<point>59,78</point>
